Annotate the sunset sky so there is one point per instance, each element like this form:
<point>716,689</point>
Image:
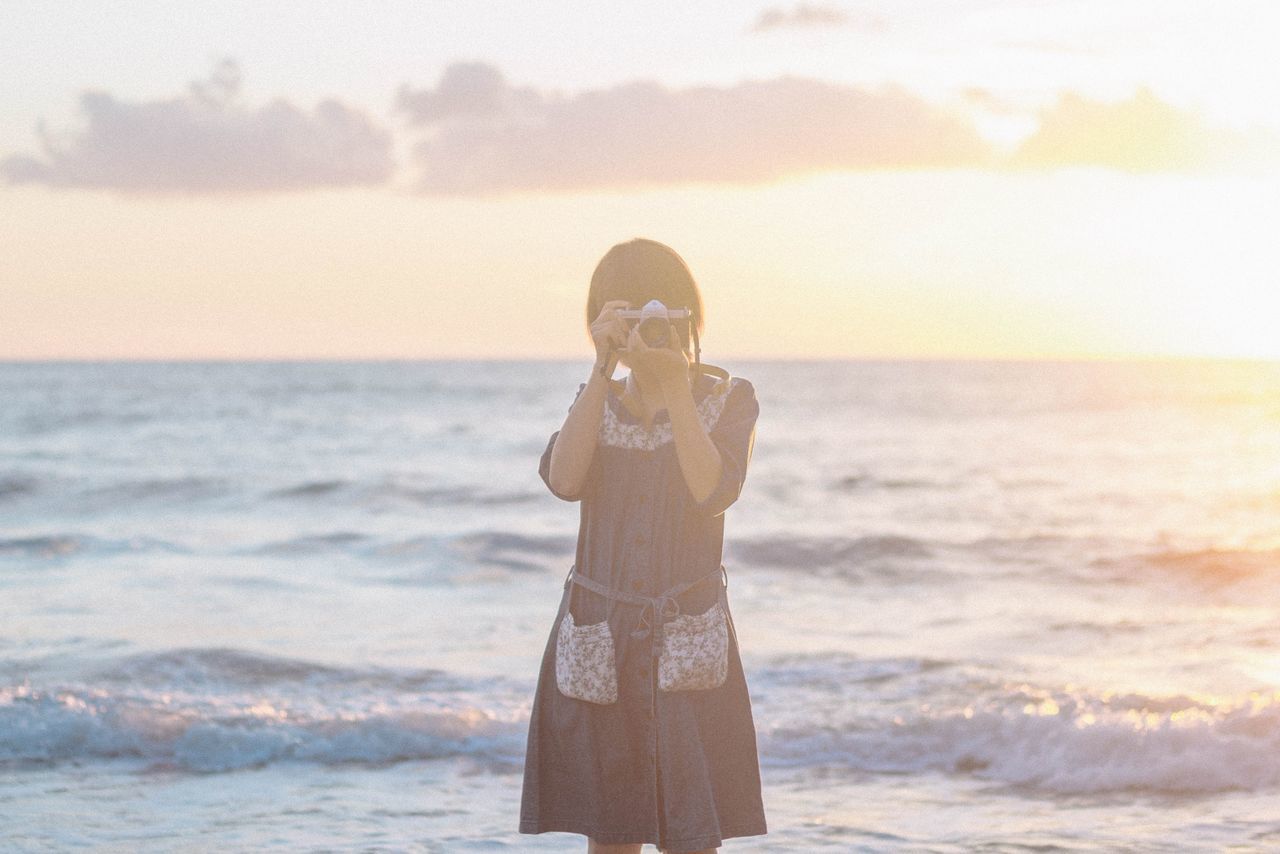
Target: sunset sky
<point>402,180</point>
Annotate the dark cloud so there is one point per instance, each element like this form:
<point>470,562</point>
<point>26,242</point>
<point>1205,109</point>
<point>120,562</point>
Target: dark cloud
<point>206,141</point>
<point>476,133</point>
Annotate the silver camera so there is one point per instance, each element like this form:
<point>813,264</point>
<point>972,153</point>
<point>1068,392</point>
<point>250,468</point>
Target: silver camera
<point>653,319</point>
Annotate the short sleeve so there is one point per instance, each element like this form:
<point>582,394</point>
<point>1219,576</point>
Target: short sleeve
<point>734,435</point>
<point>544,464</point>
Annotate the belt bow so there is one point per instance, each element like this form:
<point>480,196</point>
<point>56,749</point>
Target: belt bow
<point>655,606</point>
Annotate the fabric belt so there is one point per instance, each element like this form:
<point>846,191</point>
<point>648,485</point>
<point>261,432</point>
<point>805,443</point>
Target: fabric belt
<point>657,609</point>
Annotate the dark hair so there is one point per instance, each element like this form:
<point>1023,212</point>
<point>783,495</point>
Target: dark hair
<point>640,270</point>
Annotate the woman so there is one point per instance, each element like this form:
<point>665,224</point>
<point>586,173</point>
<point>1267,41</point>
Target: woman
<point>633,739</point>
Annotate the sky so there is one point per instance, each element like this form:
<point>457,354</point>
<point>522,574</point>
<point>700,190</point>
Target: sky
<point>910,179</point>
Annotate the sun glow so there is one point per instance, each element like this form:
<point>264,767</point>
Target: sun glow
<point>1267,668</point>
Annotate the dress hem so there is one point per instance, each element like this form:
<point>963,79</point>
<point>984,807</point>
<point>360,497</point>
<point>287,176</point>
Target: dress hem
<point>614,837</point>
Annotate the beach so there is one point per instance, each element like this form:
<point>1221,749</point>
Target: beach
<point>301,605</point>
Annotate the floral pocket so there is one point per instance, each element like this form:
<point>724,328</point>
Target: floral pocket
<point>695,651</point>
<point>585,664</point>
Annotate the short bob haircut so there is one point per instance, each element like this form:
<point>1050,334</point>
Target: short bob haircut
<point>640,270</point>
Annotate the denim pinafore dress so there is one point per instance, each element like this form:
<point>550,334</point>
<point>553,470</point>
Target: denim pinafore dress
<point>675,768</point>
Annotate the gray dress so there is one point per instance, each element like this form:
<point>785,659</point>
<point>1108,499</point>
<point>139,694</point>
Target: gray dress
<point>674,768</point>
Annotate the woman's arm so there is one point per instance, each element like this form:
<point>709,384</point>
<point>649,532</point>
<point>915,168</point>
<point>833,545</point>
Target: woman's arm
<point>699,457</point>
<point>713,488</point>
<point>575,445</point>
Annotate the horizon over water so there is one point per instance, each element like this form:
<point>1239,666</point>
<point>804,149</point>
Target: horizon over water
<point>275,604</point>
<point>1173,358</point>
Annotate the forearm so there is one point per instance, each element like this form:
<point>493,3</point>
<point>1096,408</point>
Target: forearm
<point>576,445</point>
<point>699,457</point>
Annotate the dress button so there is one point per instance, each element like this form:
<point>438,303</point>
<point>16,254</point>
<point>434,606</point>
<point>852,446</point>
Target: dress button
<point>637,585</point>
<point>639,541</point>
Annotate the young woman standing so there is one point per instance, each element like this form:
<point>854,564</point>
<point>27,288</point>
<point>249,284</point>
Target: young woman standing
<point>641,728</point>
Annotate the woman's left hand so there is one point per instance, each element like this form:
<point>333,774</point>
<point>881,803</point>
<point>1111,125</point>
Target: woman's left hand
<point>668,365</point>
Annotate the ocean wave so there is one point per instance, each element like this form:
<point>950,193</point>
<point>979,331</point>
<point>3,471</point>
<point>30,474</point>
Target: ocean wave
<point>1221,573</point>
<point>55,546</point>
<point>489,549</point>
<point>45,422</point>
<point>13,486</point>
<point>918,715</point>
<point>44,546</point>
<point>223,709</point>
<point>70,724</point>
<point>862,481</point>
<point>1060,742</point>
<point>308,489</point>
<point>394,492</point>
<point>212,710</point>
<point>312,543</point>
<point>823,552</point>
<point>435,496</point>
<point>513,551</point>
<point>921,556</point>
<point>1217,565</point>
<point>224,668</point>
<point>488,542</point>
<point>170,489</point>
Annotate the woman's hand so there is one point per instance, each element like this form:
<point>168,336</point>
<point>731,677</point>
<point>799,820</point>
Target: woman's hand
<point>607,330</point>
<point>669,365</point>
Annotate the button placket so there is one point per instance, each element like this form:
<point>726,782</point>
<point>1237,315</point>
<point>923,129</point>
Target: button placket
<point>653,694</point>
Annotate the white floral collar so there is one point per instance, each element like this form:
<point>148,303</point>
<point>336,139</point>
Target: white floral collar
<point>620,428</point>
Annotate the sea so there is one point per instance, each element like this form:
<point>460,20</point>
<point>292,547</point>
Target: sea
<point>982,605</point>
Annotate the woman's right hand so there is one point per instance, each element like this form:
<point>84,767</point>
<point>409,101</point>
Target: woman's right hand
<point>608,331</point>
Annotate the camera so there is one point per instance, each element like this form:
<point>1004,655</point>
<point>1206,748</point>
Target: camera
<point>653,319</point>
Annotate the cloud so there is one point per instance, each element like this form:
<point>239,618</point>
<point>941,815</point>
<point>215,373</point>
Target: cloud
<point>477,134</point>
<point>205,141</point>
<point>804,15</point>
<point>1053,46</point>
<point>1140,134</point>
<point>466,89</point>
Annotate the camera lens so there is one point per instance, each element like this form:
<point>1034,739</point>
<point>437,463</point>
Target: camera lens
<point>654,331</point>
